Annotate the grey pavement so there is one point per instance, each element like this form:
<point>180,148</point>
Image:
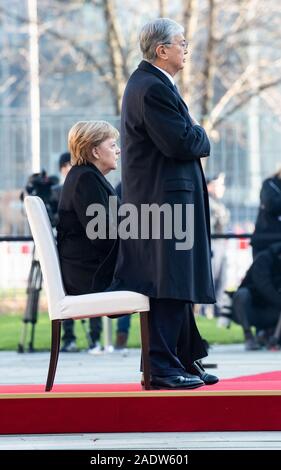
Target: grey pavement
<point>81,367</point>
<point>231,360</point>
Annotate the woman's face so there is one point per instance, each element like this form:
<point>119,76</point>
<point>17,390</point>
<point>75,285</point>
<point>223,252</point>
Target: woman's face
<point>106,155</point>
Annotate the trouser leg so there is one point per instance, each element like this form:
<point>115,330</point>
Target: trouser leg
<point>68,331</point>
<point>172,329</point>
<point>190,346</point>
<point>95,329</point>
<point>123,324</point>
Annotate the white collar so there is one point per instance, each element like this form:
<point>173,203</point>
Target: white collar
<point>165,73</point>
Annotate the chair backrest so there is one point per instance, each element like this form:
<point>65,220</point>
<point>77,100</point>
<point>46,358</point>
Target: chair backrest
<point>46,249</point>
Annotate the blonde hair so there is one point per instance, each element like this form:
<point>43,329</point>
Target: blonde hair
<point>84,136</point>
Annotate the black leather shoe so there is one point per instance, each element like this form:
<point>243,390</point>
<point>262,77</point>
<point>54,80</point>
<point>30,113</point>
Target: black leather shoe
<point>176,381</point>
<point>199,370</point>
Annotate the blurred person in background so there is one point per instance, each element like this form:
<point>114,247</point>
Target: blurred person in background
<point>257,302</point>
<point>219,219</point>
<point>269,215</point>
<point>64,167</point>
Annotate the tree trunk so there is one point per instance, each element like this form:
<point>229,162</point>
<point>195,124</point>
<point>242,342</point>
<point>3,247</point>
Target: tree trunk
<point>116,53</point>
<point>208,70</point>
<point>189,22</point>
<point>163,8</point>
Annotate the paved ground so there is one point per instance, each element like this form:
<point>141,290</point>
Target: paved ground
<point>81,367</point>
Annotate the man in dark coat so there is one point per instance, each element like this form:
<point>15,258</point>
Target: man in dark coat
<point>257,302</point>
<point>161,147</point>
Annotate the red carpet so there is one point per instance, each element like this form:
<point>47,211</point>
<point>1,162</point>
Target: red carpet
<point>240,404</point>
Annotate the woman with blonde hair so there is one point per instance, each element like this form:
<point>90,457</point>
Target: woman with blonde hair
<point>94,153</point>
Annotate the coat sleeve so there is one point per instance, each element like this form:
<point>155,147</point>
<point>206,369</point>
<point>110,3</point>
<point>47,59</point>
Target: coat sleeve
<point>89,191</point>
<point>262,279</point>
<point>171,132</point>
<point>271,197</point>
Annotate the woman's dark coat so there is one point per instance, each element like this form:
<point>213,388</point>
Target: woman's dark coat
<point>87,265</point>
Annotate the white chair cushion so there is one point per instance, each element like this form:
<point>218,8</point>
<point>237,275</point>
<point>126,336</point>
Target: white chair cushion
<point>98,304</point>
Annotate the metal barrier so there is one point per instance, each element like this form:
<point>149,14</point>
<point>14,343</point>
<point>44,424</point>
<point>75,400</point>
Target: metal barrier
<point>16,258</point>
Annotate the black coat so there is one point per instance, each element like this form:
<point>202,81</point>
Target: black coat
<point>160,152</point>
<point>263,278</point>
<point>269,215</point>
<point>87,265</point>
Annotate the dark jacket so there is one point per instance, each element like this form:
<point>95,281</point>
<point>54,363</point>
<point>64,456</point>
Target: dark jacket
<point>263,278</point>
<point>161,151</point>
<point>269,215</point>
<point>87,265</point>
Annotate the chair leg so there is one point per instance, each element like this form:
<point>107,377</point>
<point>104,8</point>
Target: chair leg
<point>145,348</point>
<point>55,348</point>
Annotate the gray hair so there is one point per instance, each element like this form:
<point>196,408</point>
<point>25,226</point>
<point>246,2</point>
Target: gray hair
<point>159,31</point>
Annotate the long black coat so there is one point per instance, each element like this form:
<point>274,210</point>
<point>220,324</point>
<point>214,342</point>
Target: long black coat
<point>160,152</point>
<point>269,215</point>
<point>87,265</point>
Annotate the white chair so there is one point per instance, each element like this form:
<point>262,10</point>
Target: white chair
<point>62,306</point>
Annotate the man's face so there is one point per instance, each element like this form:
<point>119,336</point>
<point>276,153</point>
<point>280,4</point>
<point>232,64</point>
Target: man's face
<point>176,52</point>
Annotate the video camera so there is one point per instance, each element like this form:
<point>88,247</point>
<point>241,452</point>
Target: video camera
<point>42,185</point>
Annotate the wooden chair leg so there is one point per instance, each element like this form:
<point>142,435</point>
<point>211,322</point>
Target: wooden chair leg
<point>55,348</point>
<point>145,348</point>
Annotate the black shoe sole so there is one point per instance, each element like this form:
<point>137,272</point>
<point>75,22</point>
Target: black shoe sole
<point>212,383</point>
<point>162,387</point>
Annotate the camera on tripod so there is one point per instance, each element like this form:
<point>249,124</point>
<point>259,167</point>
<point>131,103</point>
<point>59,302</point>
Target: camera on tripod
<point>42,185</point>
<point>47,188</point>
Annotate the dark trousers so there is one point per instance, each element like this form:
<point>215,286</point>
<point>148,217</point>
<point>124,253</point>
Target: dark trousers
<point>95,330</point>
<point>123,324</point>
<point>175,342</point>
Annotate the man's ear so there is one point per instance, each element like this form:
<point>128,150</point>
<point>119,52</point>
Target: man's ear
<point>161,52</point>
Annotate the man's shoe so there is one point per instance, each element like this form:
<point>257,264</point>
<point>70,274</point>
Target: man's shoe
<point>199,370</point>
<point>69,346</point>
<point>96,349</point>
<point>176,382</point>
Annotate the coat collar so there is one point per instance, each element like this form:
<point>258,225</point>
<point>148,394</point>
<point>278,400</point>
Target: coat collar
<point>147,67</point>
<point>95,168</point>
<point>101,178</point>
